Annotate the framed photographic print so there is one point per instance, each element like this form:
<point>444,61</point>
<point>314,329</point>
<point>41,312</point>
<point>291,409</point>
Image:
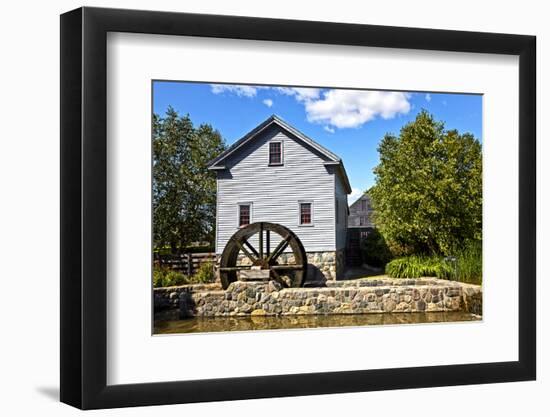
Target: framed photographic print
<point>256,208</point>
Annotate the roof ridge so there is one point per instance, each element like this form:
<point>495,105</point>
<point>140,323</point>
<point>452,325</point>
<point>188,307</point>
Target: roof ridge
<point>288,126</point>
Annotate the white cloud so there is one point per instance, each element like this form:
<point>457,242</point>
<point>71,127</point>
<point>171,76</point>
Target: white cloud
<point>353,108</point>
<point>428,97</point>
<point>301,94</point>
<point>333,108</point>
<point>355,194</point>
<point>240,90</point>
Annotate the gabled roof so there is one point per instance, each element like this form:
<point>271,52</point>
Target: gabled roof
<point>365,195</point>
<point>332,158</point>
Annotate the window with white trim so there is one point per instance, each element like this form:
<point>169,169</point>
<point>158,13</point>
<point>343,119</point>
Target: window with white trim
<point>275,153</point>
<point>306,217</point>
<point>244,214</point>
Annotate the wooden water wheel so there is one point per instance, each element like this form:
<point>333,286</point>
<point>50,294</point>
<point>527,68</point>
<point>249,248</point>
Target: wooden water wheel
<point>262,257</point>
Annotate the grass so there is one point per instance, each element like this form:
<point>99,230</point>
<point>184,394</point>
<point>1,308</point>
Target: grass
<point>419,266</point>
<point>466,266</point>
<point>469,265</point>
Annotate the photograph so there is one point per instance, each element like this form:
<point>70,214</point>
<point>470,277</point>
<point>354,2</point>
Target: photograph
<point>291,207</point>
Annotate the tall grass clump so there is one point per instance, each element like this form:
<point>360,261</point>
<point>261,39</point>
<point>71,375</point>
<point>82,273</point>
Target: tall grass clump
<point>469,264</point>
<point>465,266</point>
<point>419,266</point>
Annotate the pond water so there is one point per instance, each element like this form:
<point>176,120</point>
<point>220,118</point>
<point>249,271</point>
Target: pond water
<point>167,322</point>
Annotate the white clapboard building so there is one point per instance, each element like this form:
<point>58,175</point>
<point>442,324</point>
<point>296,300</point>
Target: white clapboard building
<point>277,174</point>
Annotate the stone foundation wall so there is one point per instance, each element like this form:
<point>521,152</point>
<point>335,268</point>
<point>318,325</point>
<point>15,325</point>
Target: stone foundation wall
<point>338,297</point>
<point>322,266</point>
<point>327,266</point>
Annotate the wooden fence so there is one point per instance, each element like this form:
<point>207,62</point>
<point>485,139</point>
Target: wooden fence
<point>188,263</point>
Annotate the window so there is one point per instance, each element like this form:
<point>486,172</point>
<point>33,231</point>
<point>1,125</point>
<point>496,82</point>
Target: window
<point>362,220</point>
<point>275,153</point>
<point>244,214</point>
<point>305,213</point>
<point>364,234</point>
<point>363,205</point>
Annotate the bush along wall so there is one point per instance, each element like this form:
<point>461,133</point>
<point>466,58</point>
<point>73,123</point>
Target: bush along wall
<point>374,250</point>
<point>465,266</point>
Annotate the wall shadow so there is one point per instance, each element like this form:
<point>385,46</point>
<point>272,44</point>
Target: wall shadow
<point>314,277</point>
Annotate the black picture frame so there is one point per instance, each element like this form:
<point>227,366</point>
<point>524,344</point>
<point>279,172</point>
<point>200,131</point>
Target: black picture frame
<point>84,207</point>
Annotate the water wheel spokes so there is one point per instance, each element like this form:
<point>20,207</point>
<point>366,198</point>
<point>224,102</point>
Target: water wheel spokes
<point>241,246</point>
<point>258,261</point>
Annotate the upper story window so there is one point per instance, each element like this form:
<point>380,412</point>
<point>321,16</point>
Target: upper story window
<point>306,217</point>
<point>275,153</point>
<point>363,205</point>
<point>244,214</point>
<point>362,220</point>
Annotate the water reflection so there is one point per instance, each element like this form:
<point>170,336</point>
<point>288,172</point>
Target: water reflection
<point>165,324</point>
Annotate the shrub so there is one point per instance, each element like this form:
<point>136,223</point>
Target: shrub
<point>205,274</point>
<point>374,250</point>
<point>419,266</point>
<point>165,277</point>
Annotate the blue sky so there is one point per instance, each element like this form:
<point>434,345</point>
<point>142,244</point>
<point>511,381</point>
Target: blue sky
<point>350,123</point>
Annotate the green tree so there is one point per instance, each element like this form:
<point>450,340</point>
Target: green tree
<point>184,191</point>
<point>428,191</point>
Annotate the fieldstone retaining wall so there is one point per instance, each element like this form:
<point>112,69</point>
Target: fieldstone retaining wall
<point>338,297</point>
<point>169,297</point>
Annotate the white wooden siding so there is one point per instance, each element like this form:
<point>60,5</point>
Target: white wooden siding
<point>276,190</point>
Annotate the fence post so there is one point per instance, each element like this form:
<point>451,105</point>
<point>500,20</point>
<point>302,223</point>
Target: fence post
<point>189,264</point>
